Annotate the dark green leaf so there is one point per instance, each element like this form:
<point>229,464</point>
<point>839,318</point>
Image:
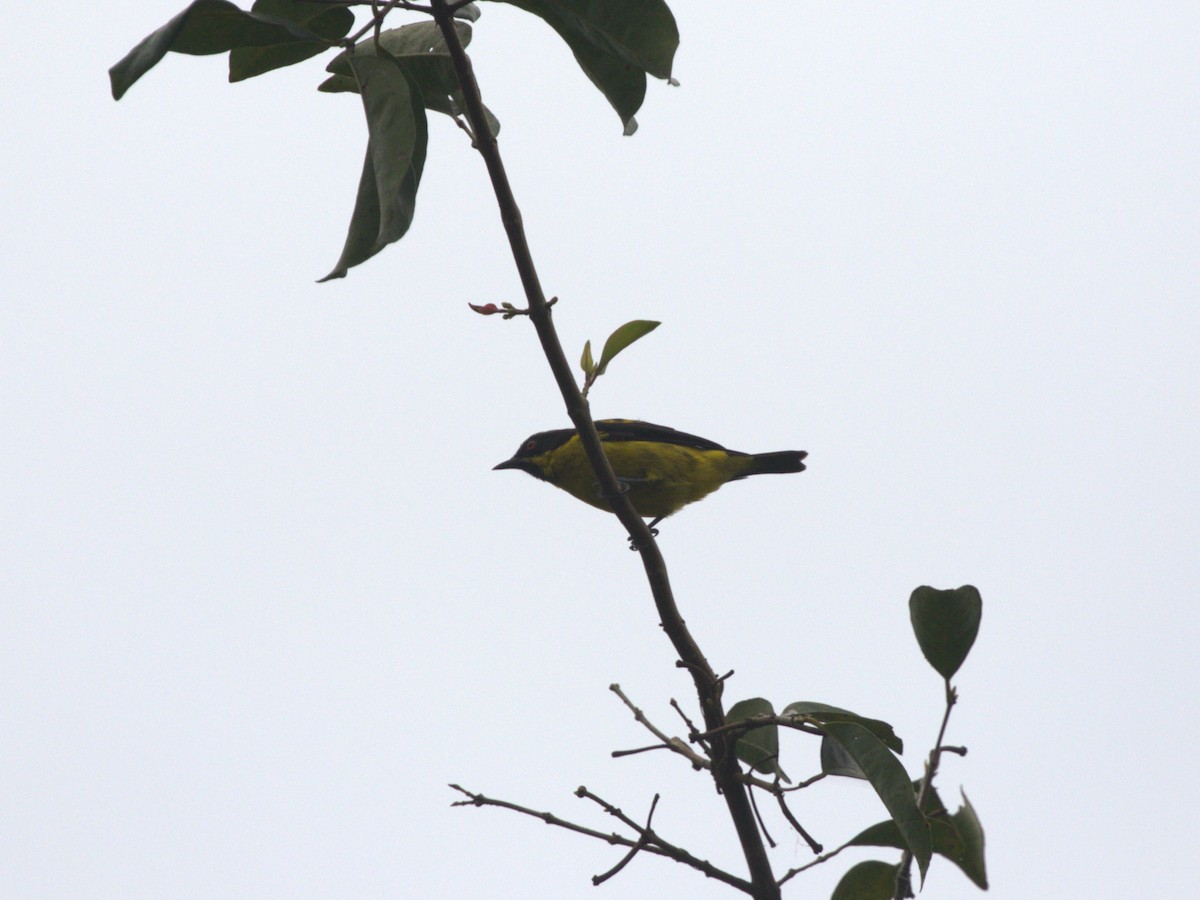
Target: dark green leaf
<point>869,880</point>
<point>337,84</point>
<point>469,13</point>
<point>758,747</point>
<point>421,52</point>
<point>822,713</point>
<point>622,338</point>
<point>416,39</point>
<point>891,783</point>
<point>883,834</point>
<point>387,190</point>
<point>970,833</point>
<point>204,28</point>
<point>933,805</point>
<point>958,838</point>
<point>836,760</point>
<point>616,43</point>
<point>946,623</point>
<point>328,22</point>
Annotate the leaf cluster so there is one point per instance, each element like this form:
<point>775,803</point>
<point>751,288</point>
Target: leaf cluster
<point>402,73</point>
<point>946,623</point>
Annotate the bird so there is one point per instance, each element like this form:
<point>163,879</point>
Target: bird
<point>660,469</point>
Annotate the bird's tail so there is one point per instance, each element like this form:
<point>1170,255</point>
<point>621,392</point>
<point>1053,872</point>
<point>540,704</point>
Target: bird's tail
<point>778,463</point>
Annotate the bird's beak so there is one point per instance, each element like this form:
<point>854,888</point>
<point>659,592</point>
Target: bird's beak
<point>524,465</point>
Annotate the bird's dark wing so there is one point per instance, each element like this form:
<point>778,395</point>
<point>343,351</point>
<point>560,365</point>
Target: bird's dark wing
<point>631,430</point>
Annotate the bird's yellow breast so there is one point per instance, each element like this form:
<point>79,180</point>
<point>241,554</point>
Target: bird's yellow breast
<point>660,477</point>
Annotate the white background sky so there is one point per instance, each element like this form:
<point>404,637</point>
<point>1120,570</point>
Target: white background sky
<point>263,597</point>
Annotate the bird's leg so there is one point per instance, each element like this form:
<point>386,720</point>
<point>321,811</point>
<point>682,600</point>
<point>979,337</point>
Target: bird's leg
<point>653,532</point>
<point>624,485</point>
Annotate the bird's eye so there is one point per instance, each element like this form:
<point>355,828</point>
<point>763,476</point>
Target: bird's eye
<point>529,445</point>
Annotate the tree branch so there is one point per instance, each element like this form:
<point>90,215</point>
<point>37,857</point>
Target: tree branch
<point>648,840</point>
<point>724,762</point>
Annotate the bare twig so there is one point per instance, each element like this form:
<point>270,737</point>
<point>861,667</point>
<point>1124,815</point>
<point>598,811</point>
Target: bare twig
<point>638,715</point>
<point>618,754</point>
<point>686,721</point>
<point>653,843</point>
<point>761,824</point>
<point>803,784</point>
<point>671,743</point>
<point>825,857</point>
<point>787,814</point>
<point>644,837</point>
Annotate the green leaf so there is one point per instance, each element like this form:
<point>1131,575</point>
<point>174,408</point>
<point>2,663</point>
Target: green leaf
<point>836,760</point>
<point>887,776</point>
<point>758,747</point>
<point>622,338</point>
<point>470,12</point>
<point>331,23</point>
<point>204,28</point>
<point>616,44</point>
<point>958,838</point>
<point>586,362</point>
<point>387,189</point>
<point>869,880</point>
<point>970,833</point>
<point>946,623</point>
<point>823,713</point>
<point>420,51</point>
<point>337,84</point>
<point>418,39</point>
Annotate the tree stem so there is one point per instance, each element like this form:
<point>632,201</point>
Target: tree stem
<point>708,687</point>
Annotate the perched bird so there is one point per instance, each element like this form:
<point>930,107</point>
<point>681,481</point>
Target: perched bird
<point>660,469</point>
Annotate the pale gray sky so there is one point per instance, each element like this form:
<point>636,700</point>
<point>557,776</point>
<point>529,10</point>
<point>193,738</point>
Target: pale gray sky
<point>262,596</point>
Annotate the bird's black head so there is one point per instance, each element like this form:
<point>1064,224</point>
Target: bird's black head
<point>532,455</point>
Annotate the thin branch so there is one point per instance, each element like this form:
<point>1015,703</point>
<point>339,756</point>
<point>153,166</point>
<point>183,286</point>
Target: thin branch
<point>804,784</point>
<point>649,838</point>
<point>725,767</point>
<point>761,824</point>
<point>614,811</point>
<point>654,844</point>
<point>792,873</point>
<point>686,721</point>
<point>904,875</point>
<point>619,754</point>
<point>638,715</point>
<point>642,842</point>
<point>787,814</point>
<point>671,743</point>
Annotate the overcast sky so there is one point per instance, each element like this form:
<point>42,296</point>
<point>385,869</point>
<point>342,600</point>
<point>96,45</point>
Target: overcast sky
<point>262,597</point>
